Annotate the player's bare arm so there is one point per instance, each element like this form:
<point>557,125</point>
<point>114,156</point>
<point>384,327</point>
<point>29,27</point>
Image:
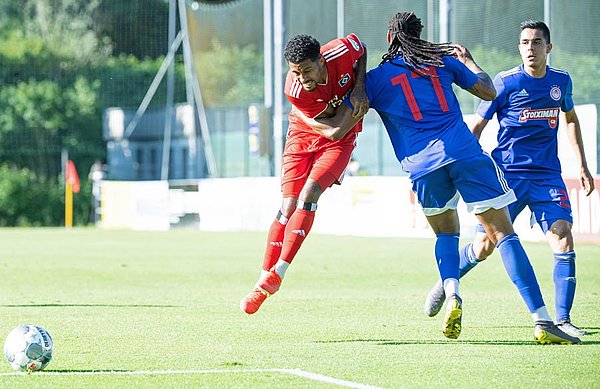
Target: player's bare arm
<point>358,96</point>
<point>484,87</point>
<point>333,123</point>
<point>574,132</point>
<point>477,125</point>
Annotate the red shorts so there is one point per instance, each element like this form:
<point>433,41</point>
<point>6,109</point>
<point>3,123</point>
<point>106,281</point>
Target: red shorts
<point>323,162</point>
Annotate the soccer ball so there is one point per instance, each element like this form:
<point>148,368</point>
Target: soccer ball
<point>28,348</point>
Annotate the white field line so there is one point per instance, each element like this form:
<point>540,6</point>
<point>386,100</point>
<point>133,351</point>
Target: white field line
<point>295,372</point>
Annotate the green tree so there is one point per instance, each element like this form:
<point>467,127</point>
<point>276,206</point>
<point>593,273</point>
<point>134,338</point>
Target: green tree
<point>27,199</point>
<point>137,28</point>
<point>40,118</point>
<point>230,74</point>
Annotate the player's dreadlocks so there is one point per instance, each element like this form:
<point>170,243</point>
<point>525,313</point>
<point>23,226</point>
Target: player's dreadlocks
<point>405,30</point>
<point>300,48</point>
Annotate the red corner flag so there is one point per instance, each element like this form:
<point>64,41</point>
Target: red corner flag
<point>71,176</point>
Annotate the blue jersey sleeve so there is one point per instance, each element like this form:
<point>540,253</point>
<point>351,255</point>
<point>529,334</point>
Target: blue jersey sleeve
<point>463,77</point>
<point>567,103</point>
<point>487,109</point>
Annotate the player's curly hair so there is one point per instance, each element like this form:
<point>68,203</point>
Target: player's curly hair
<point>537,25</point>
<point>300,48</point>
<point>405,30</point>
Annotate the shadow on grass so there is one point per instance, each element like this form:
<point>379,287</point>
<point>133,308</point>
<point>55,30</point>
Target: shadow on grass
<point>390,342</point>
<point>89,305</point>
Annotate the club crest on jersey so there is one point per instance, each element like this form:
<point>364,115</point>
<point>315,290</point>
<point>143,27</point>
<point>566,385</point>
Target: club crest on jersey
<point>344,80</point>
<point>555,93</point>
<point>549,114</point>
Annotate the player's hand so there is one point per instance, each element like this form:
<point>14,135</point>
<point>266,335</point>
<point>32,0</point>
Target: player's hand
<point>462,54</point>
<point>586,181</point>
<point>360,101</point>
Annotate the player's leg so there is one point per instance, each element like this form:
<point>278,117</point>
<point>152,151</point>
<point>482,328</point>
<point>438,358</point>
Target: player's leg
<point>561,242</point>
<point>468,259</point>
<point>552,211</point>
<point>295,170</point>
<point>482,246</point>
<point>439,199</point>
<point>305,177</point>
<point>301,221</point>
<point>475,252</point>
<point>488,195</point>
<point>516,262</point>
<point>276,232</point>
<point>328,169</point>
<point>521,273</point>
<point>446,227</point>
<point>269,281</point>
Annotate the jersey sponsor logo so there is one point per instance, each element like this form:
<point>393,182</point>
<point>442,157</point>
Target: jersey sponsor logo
<point>337,101</point>
<point>523,93</point>
<point>555,93</point>
<point>344,80</point>
<point>549,114</point>
<point>354,44</point>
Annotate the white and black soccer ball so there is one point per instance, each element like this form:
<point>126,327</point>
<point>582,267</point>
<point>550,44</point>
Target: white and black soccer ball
<point>28,348</point>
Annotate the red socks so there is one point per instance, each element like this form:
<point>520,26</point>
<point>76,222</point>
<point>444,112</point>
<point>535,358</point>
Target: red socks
<point>296,231</point>
<point>274,244</point>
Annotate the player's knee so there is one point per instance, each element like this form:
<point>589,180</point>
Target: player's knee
<point>311,191</point>
<point>560,229</point>
<point>288,206</point>
<point>560,236</point>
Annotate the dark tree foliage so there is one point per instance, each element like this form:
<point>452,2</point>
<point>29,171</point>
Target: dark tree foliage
<point>126,23</point>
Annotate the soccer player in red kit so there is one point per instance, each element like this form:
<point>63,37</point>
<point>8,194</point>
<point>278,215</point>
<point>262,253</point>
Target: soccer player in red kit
<point>313,160</point>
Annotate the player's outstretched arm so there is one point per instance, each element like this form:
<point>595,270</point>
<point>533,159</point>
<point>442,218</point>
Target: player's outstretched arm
<point>477,125</point>
<point>484,87</point>
<point>574,132</point>
<point>358,96</point>
<point>333,127</point>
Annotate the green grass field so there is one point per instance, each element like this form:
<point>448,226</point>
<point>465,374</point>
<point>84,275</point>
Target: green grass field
<point>132,309</point>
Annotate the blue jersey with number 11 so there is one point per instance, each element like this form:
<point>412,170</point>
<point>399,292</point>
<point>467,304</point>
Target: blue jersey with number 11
<point>421,113</point>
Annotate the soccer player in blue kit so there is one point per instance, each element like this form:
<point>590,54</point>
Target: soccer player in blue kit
<point>530,98</point>
<point>412,92</point>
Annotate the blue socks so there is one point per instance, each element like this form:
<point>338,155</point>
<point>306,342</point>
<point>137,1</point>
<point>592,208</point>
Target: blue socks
<point>446,255</point>
<point>520,271</point>
<point>564,284</point>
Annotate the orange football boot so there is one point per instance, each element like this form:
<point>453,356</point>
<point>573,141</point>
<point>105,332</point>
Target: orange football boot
<point>266,286</point>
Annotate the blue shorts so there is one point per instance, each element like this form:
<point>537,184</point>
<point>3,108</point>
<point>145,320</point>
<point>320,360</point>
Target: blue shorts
<point>548,200</point>
<point>478,180</point>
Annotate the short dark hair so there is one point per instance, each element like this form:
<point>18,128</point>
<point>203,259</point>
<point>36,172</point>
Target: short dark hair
<point>537,25</point>
<point>300,48</point>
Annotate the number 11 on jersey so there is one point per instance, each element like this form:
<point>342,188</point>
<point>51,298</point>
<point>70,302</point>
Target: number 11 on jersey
<point>402,80</point>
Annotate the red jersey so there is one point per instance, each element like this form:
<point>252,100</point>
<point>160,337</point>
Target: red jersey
<point>340,57</point>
